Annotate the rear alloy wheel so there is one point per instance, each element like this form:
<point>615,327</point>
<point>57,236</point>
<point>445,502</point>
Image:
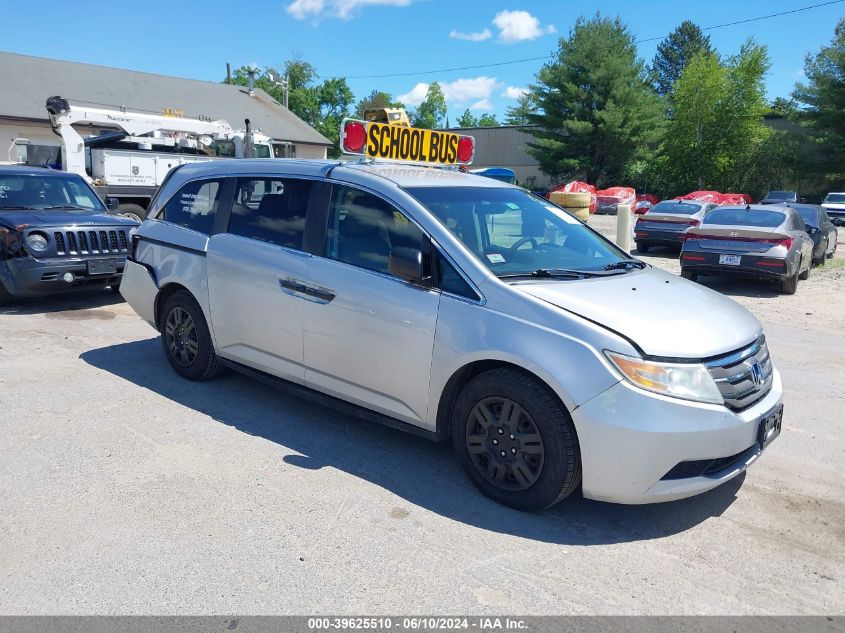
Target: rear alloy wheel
<point>806,273</point>
<point>643,248</point>
<point>515,440</point>
<point>186,339</point>
<point>686,274</point>
<point>789,286</point>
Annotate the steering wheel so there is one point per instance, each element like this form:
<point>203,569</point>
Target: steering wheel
<point>522,241</point>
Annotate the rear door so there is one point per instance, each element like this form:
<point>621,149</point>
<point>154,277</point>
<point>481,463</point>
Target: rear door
<point>253,265</point>
<point>370,339</point>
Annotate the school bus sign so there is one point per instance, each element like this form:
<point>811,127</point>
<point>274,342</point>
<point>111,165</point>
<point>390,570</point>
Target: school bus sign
<point>406,144</point>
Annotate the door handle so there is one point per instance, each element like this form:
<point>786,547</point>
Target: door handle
<point>295,286</point>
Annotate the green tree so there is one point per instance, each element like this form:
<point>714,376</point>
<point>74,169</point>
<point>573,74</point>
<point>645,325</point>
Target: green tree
<point>302,95</point>
<point>518,114</point>
<point>488,120</point>
<point>715,138</point>
<point>431,113</point>
<point>823,98</point>
<point>376,99</point>
<point>334,100</point>
<point>675,52</point>
<point>595,108</point>
<point>467,119</point>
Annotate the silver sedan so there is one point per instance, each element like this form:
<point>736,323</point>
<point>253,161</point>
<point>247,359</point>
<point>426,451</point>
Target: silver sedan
<point>769,242</point>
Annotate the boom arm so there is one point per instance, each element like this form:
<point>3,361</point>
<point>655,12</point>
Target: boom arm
<point>63,115</point>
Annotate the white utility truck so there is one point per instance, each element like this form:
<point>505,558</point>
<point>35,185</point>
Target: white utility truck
<point>132,152</point>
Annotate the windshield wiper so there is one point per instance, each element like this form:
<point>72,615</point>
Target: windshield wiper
<point>63,206</point>
<point>625,264</point>
<point>548,273</point>
<point>16,207</point>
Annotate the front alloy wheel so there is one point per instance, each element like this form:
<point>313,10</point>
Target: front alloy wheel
<point>504,444</point>
<point>515,439</point>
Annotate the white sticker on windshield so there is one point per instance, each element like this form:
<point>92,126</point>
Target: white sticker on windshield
<point>496,258</point>
<point>563,216</point>
<point>512,205</point>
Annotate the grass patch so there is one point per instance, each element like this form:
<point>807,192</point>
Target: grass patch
<point>837,263</point>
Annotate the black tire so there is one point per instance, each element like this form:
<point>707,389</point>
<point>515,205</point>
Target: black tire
<point>643,248</point>
<point>789,286</point>
<point>806,273</point>
<point>135,211</point>
<point>6,297</point>
<point>687,274</point>
<point>540,463</point>
<point>115,289</point>
<point>186,339</point>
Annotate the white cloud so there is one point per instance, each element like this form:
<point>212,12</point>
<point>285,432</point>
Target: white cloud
<point>455,34</point>
<point>484,105</point>
<point>512,92</point>
<point>457,92</point>
<point>415,96</point>
<point>462,90</point>
<point>517,26</point>
<point>343,9</point>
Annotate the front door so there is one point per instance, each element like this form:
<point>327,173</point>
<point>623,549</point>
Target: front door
<point>370,340</point>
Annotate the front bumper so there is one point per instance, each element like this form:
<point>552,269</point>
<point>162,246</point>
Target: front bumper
<point>30,277</point>
<point>630,439</point>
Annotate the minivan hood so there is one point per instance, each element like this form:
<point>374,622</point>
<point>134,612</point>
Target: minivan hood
<point>62,218</point>
<point>662,313</point>
<point>839,206</point>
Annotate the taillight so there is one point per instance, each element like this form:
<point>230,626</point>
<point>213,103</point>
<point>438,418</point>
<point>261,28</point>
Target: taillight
<point>354,137</point>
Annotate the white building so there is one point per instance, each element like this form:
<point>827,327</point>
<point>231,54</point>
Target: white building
<point>27,82</point>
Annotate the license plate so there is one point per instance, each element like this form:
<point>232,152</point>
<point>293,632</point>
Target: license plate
<point>769,427</point>
<point>730,260</point>
<point>102,266</point>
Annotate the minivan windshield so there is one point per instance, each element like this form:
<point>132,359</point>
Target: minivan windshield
<point>513,232</point>
<point>836,198</point>
<point>35,192</point>
<point>744,217</point>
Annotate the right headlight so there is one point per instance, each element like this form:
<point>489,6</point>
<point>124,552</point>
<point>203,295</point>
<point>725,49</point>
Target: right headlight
<point>690,381</point>
<point>37,242</point>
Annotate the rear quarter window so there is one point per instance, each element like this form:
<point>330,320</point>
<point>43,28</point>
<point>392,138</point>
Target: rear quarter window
<point>194,206</point>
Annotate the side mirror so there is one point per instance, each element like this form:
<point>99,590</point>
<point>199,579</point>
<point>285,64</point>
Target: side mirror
<point>112,204</point>
<point>406,263</point>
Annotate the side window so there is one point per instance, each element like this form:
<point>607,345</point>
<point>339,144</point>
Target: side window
<point>363,229</point>
<point>271,210</point>
<point>799,223</point>
<point>450,280</point>
<point>194,205</point>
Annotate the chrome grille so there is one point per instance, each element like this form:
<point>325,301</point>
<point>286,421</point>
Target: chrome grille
<point>89,242</point>
<point>745,376</point>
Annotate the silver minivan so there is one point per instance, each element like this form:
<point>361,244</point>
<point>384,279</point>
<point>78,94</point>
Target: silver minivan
<point>463,309</point>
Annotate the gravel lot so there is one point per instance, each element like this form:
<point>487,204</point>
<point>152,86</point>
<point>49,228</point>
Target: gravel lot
<point>127,490</point>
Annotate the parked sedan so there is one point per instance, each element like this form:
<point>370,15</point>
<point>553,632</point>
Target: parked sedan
<point>768,242</point>
<point>834,206</point>
<point>821,231</point>
<point>781,197</point>
<point>664,224</point>
<point>56,235</point>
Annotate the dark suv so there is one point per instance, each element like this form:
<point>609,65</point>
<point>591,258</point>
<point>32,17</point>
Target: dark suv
<point>56,234</point>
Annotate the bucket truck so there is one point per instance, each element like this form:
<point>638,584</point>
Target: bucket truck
<point>133,152</point>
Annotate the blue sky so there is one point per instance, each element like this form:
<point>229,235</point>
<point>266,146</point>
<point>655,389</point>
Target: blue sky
<point>195,38</point>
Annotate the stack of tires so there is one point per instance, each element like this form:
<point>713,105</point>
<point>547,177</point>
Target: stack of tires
<point>576,202</point>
